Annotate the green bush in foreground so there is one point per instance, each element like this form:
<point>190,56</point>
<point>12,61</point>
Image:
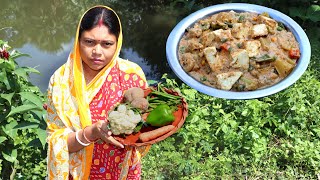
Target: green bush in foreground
<point>275,137</point>
<point>22,126</point>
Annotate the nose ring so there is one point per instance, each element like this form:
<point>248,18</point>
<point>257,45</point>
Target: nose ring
<point>94,51</point>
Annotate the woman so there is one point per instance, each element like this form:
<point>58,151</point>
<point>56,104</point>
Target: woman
<point>80,94</point>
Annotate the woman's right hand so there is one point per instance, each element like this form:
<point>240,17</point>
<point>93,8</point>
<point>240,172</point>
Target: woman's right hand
<point>100,130</point>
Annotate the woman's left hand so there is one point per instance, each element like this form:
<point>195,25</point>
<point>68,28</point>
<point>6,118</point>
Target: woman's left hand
<point>100,130</point>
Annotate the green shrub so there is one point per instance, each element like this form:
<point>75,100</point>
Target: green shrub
<point>22,125</point>
<point>275,137</point>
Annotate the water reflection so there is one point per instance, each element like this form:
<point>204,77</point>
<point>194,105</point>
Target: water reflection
<point>45,62</point>
<point>45,30</point>
<point>44,24</point>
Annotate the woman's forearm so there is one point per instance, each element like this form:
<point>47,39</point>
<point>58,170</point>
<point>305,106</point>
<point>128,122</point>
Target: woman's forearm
<point>79,142</point>
<point>73,144</point>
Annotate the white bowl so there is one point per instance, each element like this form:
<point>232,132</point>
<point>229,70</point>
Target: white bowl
<point>178,31</point>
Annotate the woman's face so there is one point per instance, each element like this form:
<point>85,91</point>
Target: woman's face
<point>97,47</point>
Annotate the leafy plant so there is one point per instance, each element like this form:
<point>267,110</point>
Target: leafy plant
<point>312,13</point>
<point>22,125</point>
<point>275,137</point>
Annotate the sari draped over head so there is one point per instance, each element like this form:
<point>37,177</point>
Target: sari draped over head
<point>73,105</point>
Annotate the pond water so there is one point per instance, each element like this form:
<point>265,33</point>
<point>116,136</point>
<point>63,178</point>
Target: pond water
<point>46,29</point>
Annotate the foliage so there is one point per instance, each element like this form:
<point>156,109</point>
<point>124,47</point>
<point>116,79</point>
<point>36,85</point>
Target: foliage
<point>22,126</point>
<point>275,137</point>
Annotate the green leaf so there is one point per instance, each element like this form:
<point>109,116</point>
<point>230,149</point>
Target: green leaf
<point>298,12</point>
<point>21,72</point>
<point>2,138</point>
<point>11,156</point>
<point>34,143</point>
<point>190,93</point>
<point>313,13</point>
<point>30,96</point>
<point>4,78</point>
<point>152,82</point>
<point>38,115</point>
<point>16,54</point>
<point>26,125</point>
<point>8,97</point>
<point>42,135</point>
<point>22,108</point>
<point>7,65</point>
<point>9,129</point>
<point>31,70</point>
<point>138,127</point>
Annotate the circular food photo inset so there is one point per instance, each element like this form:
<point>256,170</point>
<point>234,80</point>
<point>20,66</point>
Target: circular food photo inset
<point>238,51</point>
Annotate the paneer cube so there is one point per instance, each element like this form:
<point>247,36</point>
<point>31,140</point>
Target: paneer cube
<point>240,30</point>
<point>223,35</point>
<point>271,24</point>
<point>210,54</point>
<point>268,21</point>
<point>259,30</point>
<point>253,47</point>
<point>240,59</point>
<point>226,80</point>
<point>207,39</point>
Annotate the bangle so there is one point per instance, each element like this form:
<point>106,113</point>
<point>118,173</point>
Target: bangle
<point>85,137</point>
<point>80,142</point>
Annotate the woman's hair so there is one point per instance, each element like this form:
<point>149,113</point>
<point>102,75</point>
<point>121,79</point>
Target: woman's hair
<point>98,15</point>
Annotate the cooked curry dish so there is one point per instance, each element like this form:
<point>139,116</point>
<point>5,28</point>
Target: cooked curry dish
<point>238,51</point>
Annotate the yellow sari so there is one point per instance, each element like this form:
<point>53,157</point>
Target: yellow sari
<point>69,100</point>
